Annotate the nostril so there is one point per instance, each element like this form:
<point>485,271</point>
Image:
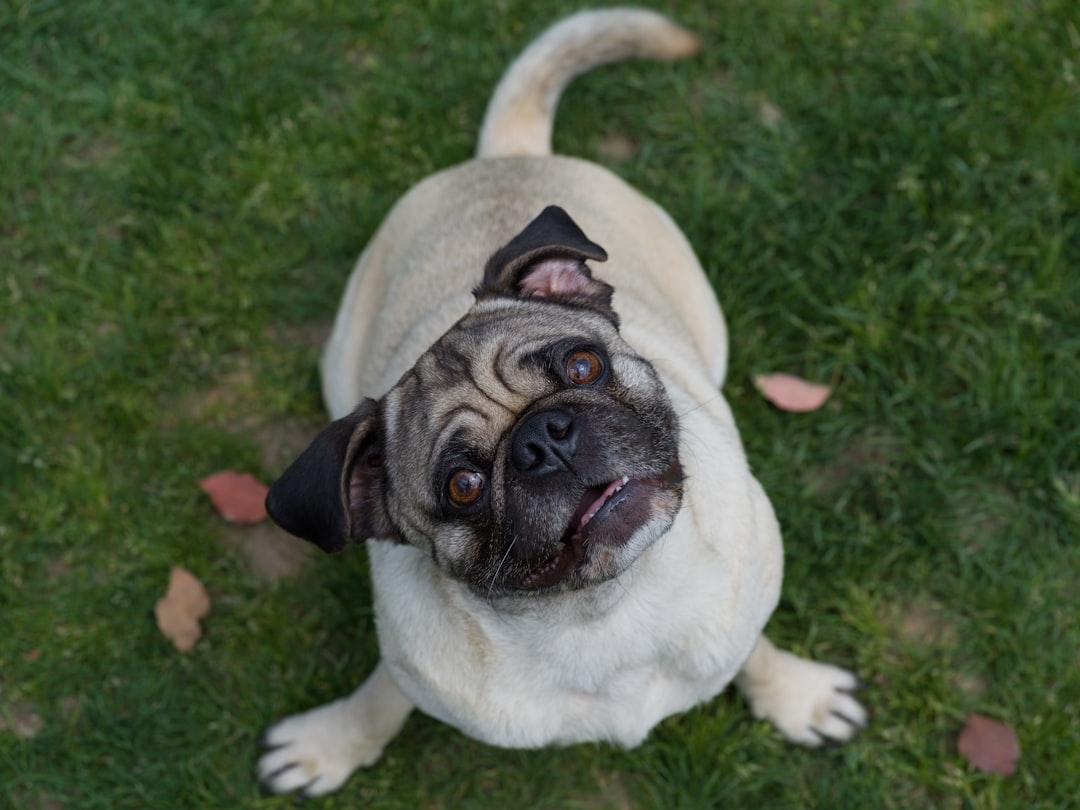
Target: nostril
<point>559,425</point>
<point>531,454</point>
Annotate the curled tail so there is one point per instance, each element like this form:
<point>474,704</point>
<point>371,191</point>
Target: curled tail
<point>521,114</point>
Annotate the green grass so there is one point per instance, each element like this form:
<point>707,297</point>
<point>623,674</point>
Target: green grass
<point>886,196</point>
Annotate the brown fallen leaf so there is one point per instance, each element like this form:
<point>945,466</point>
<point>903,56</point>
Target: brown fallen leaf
<point>790,393</point>
<point>989,745</point>
<point>238,497</point>
<point>179,611</point>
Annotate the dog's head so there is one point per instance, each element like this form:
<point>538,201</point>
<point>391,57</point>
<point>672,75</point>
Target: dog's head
<point>530,449</point>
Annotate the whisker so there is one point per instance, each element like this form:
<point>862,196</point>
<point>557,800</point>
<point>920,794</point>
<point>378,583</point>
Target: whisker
<point>700,405</point>
<point>495,576</point>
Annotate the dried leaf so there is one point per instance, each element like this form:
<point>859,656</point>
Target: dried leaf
<point>989,745</point>
<point>790,393</point>
<point>238,497</point>
<point>179,611</point>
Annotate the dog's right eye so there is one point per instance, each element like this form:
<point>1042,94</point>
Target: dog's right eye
<point>584,367</point>
<point>465,487</point>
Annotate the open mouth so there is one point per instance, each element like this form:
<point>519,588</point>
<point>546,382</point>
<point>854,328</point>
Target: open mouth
<point>608,514</point>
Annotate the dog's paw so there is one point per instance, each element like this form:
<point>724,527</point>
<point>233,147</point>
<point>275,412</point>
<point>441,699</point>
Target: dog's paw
<point>810,703</point>
<point>313,753</point>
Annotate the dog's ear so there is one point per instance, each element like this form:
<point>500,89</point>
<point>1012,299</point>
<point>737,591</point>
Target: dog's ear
<point>332,493</point>
<point>547,260</point>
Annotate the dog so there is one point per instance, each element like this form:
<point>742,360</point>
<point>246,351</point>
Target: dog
<point>566,543</point>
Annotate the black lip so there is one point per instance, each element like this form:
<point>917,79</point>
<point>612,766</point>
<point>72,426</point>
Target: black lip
<point>558,567</point>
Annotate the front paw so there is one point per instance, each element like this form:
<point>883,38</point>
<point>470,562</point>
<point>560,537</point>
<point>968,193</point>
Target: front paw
<point>810,703</point>
<point>313,753</point>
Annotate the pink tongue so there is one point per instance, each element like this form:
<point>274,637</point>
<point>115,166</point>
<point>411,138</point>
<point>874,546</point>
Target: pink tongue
<point>584,507</point>
<point>594,507</point>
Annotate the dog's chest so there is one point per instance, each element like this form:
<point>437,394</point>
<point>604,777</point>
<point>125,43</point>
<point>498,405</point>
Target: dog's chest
<point>608,666</point>
<point>615,681</point>
<point>537,689</point>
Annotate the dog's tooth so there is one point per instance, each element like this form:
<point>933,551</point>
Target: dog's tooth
<point>625,480</point>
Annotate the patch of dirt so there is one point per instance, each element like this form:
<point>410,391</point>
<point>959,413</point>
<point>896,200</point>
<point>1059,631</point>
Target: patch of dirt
<point>363,58</point>
<point>69,706</point>
<point>703,91</point>
<point>19,717</point>
<point>969,685</point>
<point>312,335</point>
<point>271,553</point>
<point>230,403</point>
<point>58,568</point>
<point>234,403</point>
<point>281,442</point>
<point>873,449</point>
<point>769,114</point>
<point>611,793</point>
<point>615,148</point>
<point>978,515</point>
<point>39,801</point>
<point>89,151</point>
<point>924,622</point>
<point>234,400</point>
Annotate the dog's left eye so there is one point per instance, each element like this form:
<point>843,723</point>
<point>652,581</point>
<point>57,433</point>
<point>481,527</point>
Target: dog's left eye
<point>465,487</point>
<point>584,367</point>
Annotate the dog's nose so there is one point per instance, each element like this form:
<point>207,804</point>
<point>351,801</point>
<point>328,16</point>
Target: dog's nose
<point>544,443</point>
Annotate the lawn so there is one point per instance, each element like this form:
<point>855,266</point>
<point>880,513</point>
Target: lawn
<point>886,196</point>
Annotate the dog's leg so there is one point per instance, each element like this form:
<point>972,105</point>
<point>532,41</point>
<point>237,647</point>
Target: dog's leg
<point>810,703</point>
<point>314,752</point>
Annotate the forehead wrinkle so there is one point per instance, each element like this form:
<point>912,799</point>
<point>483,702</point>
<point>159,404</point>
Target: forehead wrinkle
<point>444,393</point>
<point>486,372</point>
<point>458,420</point>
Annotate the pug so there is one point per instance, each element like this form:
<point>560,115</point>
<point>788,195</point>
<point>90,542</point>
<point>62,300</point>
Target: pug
<point>566,543</point>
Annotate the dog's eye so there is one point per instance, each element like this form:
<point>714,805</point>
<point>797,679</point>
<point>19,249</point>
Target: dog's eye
<point>465,487</point>
<point>584,367</point>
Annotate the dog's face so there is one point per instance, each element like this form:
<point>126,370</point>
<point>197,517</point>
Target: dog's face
<point>528,450</point>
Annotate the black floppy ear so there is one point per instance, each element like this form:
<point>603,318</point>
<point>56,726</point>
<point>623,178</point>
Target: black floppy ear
<point>332,493</point>
<point>547,260</point>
